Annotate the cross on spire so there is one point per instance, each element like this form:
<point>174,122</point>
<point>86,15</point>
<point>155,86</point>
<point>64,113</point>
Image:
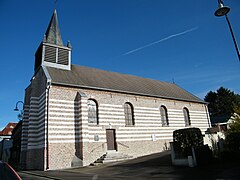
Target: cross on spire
<point>55,4</point>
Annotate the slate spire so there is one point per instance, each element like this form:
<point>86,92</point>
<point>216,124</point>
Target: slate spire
<point>53,34</point>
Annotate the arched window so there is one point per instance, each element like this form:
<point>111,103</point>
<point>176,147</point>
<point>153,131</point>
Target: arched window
<point>164,116</point>
<point>186,117</point>
<point>92,111</point>
<point>129,117</point>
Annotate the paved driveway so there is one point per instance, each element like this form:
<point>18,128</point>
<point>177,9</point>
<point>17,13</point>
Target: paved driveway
<point>156,166</point>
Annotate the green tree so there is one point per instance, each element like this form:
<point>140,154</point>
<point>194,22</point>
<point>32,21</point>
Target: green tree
<point>235,120</point>
<point>233,134</point>
<point>221,104</point>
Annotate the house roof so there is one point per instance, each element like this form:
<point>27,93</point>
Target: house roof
<point>8,129</point>
<point>223,118</point>
<point>91,78</point>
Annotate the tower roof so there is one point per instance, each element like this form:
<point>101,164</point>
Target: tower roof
<point>53,34</point>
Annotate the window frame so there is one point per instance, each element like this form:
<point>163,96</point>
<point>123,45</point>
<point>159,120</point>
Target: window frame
<point>129,115</point>
<point>92,111</point>
<point>164,116</point>
<point>186,115</point>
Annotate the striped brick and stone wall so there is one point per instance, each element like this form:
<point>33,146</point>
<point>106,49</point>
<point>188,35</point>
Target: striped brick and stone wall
<point>72,139</point>
<point>34,122</point>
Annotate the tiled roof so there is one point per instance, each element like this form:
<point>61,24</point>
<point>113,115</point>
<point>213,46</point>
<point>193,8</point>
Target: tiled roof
<point>8,129</point>
<point>85,77</point>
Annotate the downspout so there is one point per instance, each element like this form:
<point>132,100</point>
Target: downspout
<point>47,119</point>
<point>49,83</point>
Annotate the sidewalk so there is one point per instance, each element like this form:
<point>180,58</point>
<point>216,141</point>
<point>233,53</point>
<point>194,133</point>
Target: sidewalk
<point>156,166</point>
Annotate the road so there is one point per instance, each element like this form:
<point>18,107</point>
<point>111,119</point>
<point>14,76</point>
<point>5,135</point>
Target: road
<point>155,166</point>
<point>27,176</point>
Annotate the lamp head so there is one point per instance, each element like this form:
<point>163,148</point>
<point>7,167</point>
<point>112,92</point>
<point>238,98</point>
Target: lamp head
<point>16,109</point>
<point>222,10</point>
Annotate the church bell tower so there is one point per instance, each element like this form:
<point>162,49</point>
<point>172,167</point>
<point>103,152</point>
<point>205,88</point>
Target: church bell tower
<point>51,52</point>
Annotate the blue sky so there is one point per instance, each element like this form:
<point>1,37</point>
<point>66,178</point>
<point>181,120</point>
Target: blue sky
<point>180,41</point>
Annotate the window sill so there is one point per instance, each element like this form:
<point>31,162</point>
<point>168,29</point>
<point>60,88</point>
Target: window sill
<point>129,125</point>
<point>165,126</point>
<point>91,124</point>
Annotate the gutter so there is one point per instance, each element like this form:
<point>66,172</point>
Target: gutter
<point>49,83</point>
<point>47,119</point>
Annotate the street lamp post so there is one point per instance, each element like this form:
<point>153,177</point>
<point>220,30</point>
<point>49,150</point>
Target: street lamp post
<point>223,11</point>
<point>20,116</point>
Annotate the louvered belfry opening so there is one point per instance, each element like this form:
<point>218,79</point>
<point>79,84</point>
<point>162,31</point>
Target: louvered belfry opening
<point>56,55</point>
<point>50,54</point>
<point>63,57</point>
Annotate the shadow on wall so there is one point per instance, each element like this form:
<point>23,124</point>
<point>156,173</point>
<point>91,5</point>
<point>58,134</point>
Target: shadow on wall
<point>166,146</point>
<point>215,142</point>
<point>5,146</point>
<point>78,157</point>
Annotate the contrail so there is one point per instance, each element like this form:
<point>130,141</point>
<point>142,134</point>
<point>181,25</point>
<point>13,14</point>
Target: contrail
<point>161,40</point>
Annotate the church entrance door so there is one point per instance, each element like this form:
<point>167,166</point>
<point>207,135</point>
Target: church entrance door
<point>111,139</point>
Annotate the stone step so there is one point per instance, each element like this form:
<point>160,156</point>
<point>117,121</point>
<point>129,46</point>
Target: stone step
<point>114,154</point>
<point>117,157</point>
<point>95,164</point>
<point>115,160</point>
<point>111,156</point>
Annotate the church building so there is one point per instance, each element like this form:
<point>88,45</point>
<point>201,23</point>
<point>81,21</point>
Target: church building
<point>73,114</point>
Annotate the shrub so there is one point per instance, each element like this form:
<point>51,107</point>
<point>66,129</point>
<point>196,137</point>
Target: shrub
<point>233,140</point>
<point>188,138</point>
